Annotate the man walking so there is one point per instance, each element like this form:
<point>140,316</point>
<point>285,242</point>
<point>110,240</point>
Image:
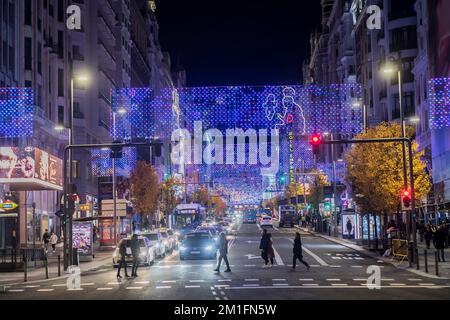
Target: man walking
<point>298,252</point>
<point>439,243</point>
<point>263,247</point>
<point>223,252</point>
<point>135,253</point>
<point>46,239</point>
<point>122,261</point>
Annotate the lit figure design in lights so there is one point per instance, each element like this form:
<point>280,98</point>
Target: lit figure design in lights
<point>290,104</point>
<point>272,110</point>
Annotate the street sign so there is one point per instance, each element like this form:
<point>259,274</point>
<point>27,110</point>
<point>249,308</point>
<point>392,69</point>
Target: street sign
<point>108,208</point>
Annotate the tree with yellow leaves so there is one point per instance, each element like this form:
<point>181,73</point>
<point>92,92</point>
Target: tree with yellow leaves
<point>375,171</point>
<point>218,204</point>
<point>168,196</point>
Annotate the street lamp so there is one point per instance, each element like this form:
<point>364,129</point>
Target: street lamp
<point>389,69</point>
<point>121,111</point>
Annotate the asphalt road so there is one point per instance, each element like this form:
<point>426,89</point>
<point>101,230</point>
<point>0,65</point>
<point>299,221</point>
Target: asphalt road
<point>337,272</point>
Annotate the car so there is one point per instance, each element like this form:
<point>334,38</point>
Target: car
<point>173,237</point>
<point>156,240</point>
<point>166,240</point>
<point>198,245</point>
<point>266,222</point>
<point>146,254</point>
<point>212,231</point>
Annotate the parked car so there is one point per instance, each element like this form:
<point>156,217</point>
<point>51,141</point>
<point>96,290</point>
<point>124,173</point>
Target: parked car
<point>173,237</point>
<point>167,242</point>
<point>156,240</point>
<point>146,254</point>
<point>198,245</point>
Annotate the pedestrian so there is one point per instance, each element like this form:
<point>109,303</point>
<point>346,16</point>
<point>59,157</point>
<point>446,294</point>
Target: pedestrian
<point>135,252</point>
<point>421,228</point>
<point>269,250</point>
<point>447,232</point>
<point>122,261</point>
<point>263,247</point>
<point>439,243</point>
<point>298,252</point>
<point>428,235</point>
<point>223,252</point>
<point>46,239</point>
<point>53,241</point>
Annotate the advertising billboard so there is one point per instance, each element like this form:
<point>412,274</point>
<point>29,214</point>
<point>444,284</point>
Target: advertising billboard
<point>83,237</point>
<point>30,167</point>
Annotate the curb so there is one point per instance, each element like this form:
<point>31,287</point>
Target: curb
<point>370,254</point>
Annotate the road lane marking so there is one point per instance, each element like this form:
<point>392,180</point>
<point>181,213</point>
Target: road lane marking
<point>278,279</point>
<point>277,257</point>
<point>169,281</point>
<point>60,285</point>
<point>76,289</point>
<point>306,279</point>
<point>251,285</point>
<point>189,287</point>
<point>214,293</point>
<point>87,284</point>
<point>314,265</point>
<point>331,280</point>
<point>114,283</point>
<point>221,286</point>
<point>217,298</point>
<point>193,281</point>
<point>222,293</point>
<point>251,279</point>
<point>45,290</point>
<point>357,266</point>
<point>280,284</point>
<point>331,266</point>
<point>316,286</point>
<point>397,284</point>
<point>312,254</point>
<point>16,290</point>
<point>339,284</point>
<point>415,280</point>
<point>224,280</point>
<point>427,284</point>
<point>37,286</point>
<point>250,265</point>
<point>360,279</point>
<point>136,288</point>
<point>142,282</point>
<point>104,289</point>
<point>387,279</point>
<point>309,284</point>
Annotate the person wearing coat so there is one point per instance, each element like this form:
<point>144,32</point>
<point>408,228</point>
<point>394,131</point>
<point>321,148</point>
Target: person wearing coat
<point>270,252</point>
<point>53,241</point>
<point>439,243</point>
<point>298,252</point>
<point>263,247</point>
<point>223,252</point>
<point>122,261</point>
<point>135,252</point>
<point>428,235</point>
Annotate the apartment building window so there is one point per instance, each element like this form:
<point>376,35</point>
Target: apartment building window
<point>408,103</point>
<point>60,114</point>
<point>28,84</point>
<point>28,53</point>
<point>61,10</point>
<point>60,44</point>
<point>39,56</point>
<point>60,83</point>
<point>403,39</point>
<point>28,14</point>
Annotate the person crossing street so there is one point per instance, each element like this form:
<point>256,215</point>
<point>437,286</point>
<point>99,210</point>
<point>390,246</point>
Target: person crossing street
<point>298,252</point>
<point>223,252</point>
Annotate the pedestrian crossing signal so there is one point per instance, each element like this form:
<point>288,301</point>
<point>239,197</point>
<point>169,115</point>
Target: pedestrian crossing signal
<point>406,200</point>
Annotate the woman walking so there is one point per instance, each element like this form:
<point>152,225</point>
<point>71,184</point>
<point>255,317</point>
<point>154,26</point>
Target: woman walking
<point>53,241</point>
<point>270,252</point>
<point>298,252</point>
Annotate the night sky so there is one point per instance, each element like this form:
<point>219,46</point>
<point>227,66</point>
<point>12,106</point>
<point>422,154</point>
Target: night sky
<point>238,42</point>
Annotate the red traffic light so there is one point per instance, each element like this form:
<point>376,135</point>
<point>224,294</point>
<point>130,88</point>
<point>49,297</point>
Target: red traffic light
<point>316,139</point>
<point>406,199</point>
<point>406,193</point>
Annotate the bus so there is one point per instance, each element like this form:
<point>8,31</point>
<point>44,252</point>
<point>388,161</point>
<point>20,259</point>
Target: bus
<point>187,217</point>
<point>287,216</point>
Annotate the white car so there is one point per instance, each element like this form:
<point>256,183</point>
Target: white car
<point>156,241</point>
<point>167,241</point>
<point>146,252</point>
<point>266,222</point>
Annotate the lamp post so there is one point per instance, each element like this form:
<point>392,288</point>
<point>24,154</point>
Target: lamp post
<point>121,111</point>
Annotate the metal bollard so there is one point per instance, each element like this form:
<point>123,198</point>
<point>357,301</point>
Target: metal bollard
<point>59,265</point>
<point>25,267</point>
<point>46,267</point>
<point>417,258</point>
<point>436,262</point>
<point>425,254</point>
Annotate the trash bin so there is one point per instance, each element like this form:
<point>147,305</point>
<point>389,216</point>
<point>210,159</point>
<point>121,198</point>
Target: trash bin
<point>75,257</point>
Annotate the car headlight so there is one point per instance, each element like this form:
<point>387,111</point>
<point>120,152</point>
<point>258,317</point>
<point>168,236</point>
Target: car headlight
<point>209,248</point>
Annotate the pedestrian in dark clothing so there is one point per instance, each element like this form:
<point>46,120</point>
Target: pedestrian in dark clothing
<point>135,252</point>
<point>428,234</point>
<point>223,252</point>
<point>46,238</point>
<point>263,246</point>
<point>298,252</point>
<point>270,252</point>
<point>439,243</point>
<point>122,261</point>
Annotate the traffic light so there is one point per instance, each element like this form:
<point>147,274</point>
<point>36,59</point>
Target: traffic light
<point>116,151</point>
<point>315,141</point>
<point>406,199</point>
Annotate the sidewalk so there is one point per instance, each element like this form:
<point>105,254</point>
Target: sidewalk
<point>444,267</point>
<point>38,274</point>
